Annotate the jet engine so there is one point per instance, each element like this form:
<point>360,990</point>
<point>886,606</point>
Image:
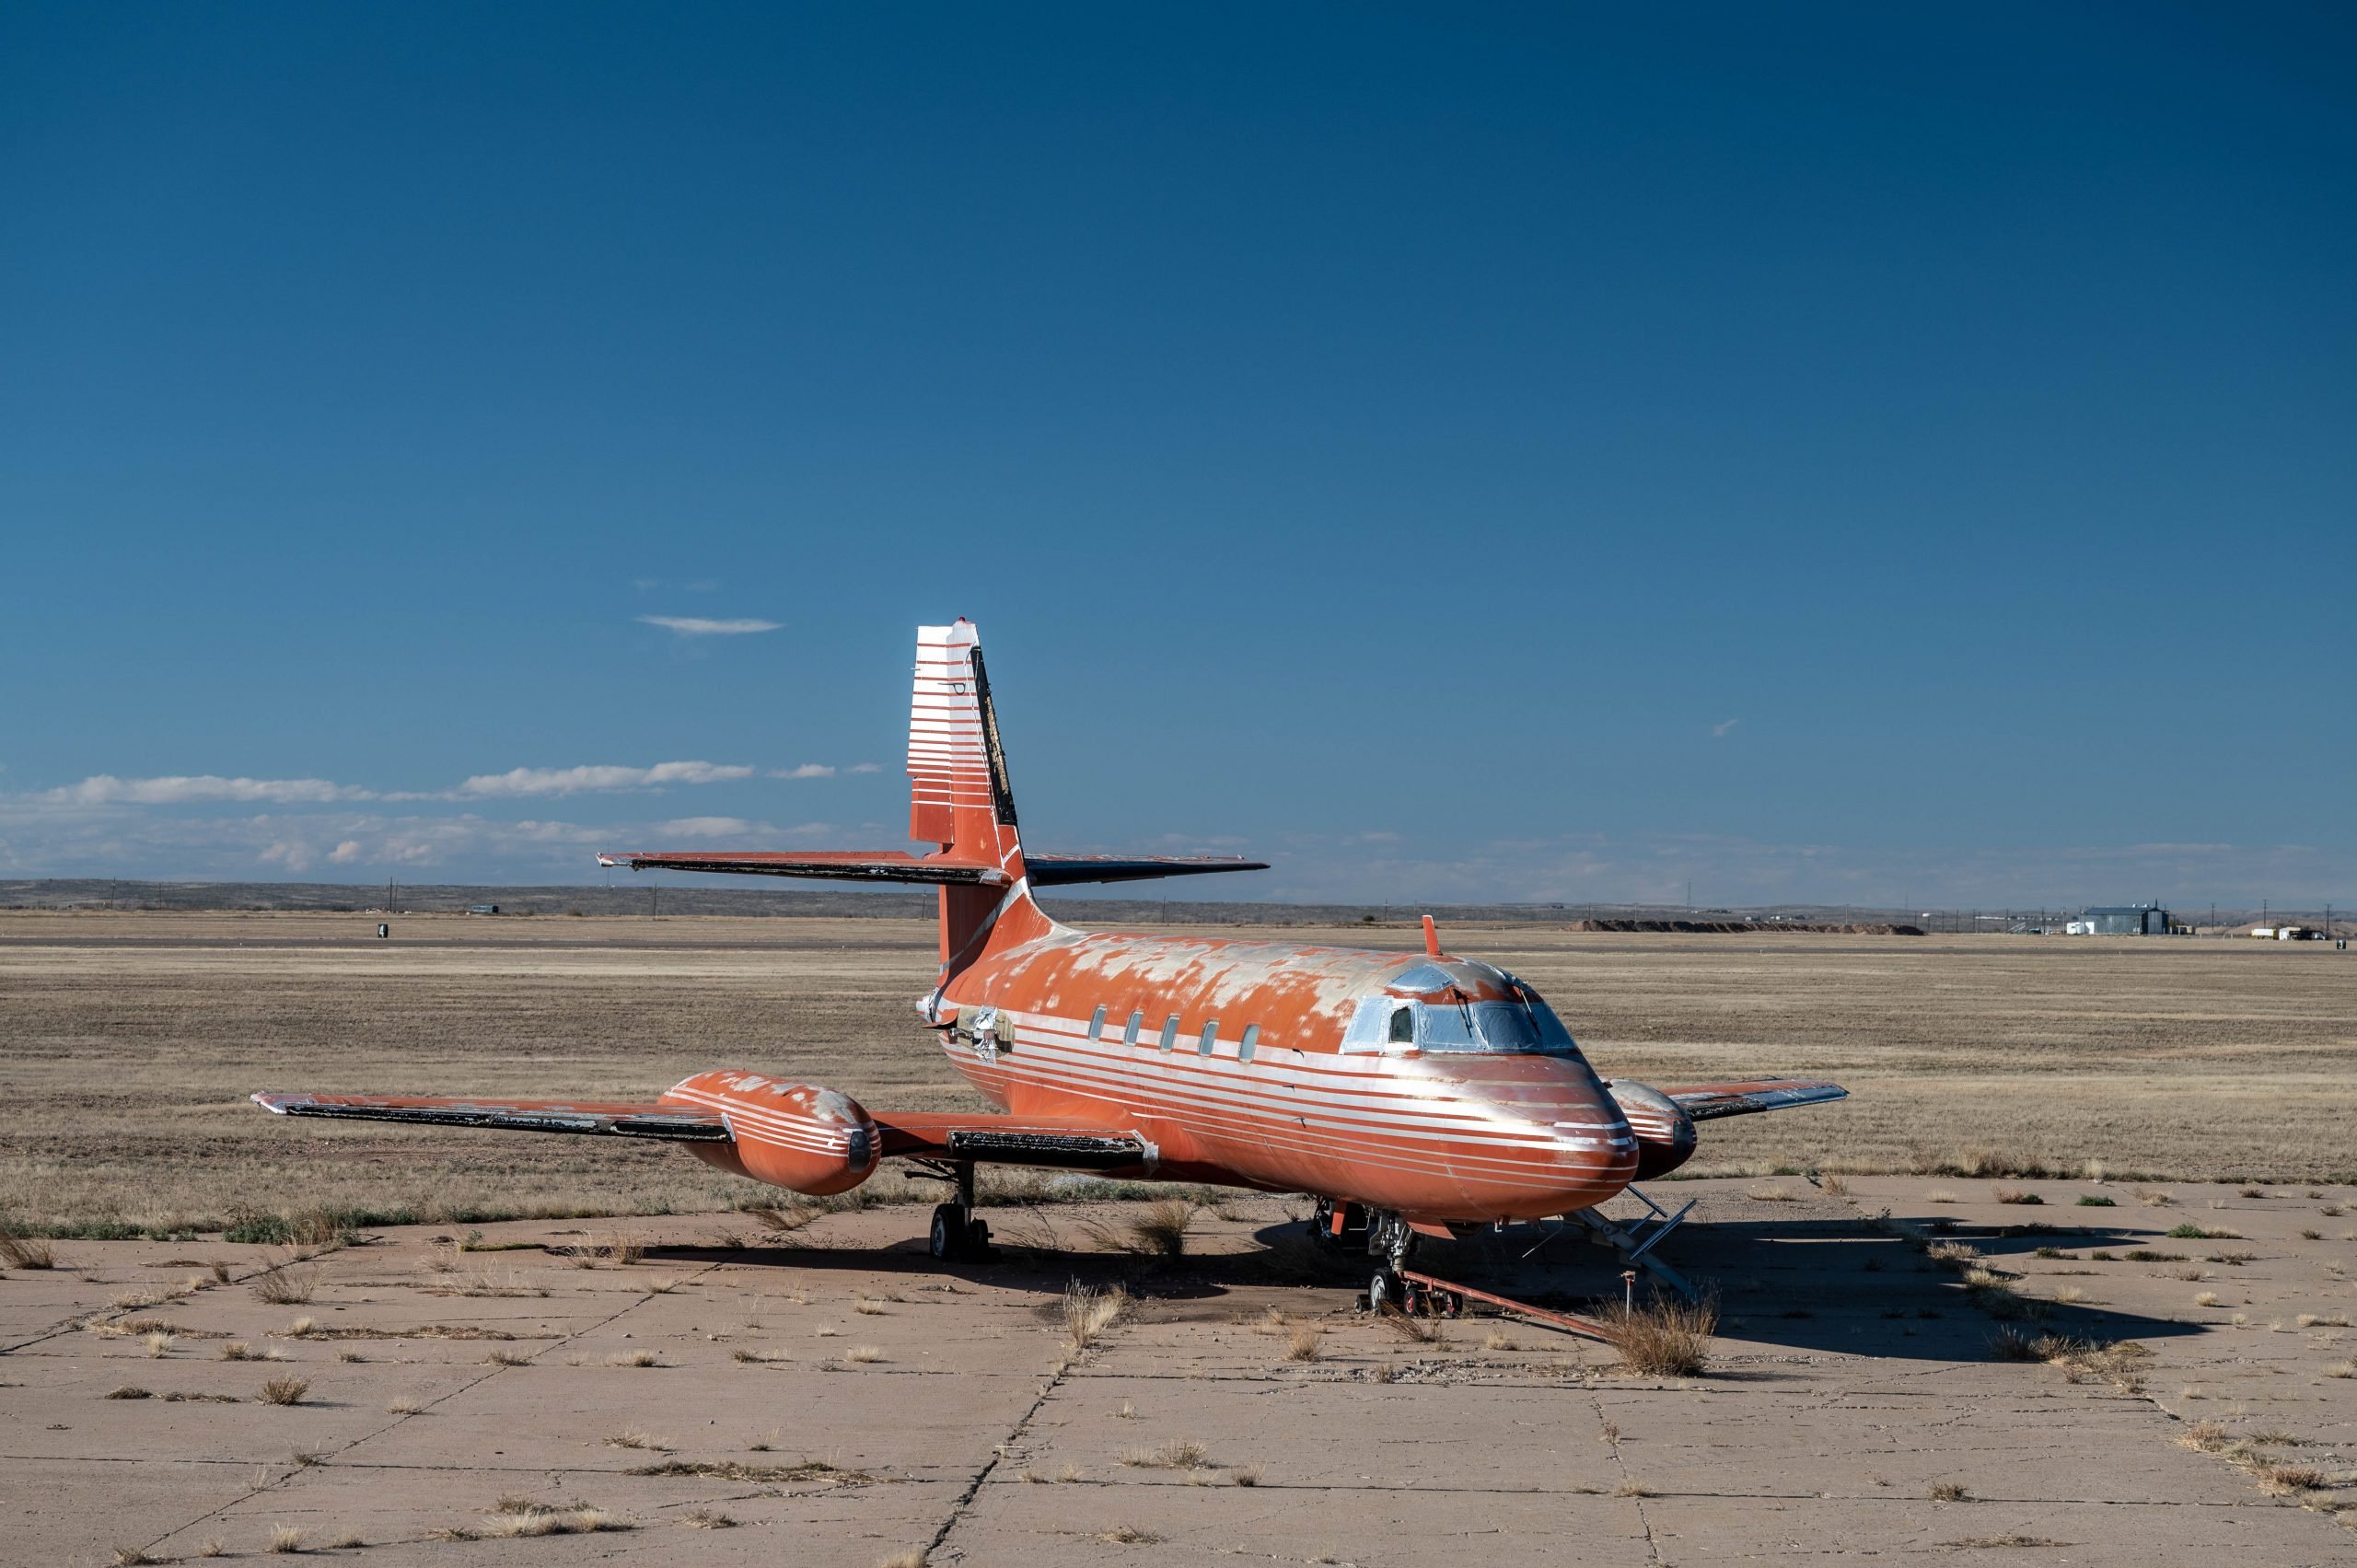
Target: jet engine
<point>1665,1133</point>
<point>806,1139</point>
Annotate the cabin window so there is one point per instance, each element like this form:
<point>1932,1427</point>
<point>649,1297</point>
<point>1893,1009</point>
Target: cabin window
<point>1403,1024</point>
<point>1096,1023</point>
<point>1170,1031</point>
<point>1210,1039</point>
<point>1129,1034</point>
<point>1251,1040</point>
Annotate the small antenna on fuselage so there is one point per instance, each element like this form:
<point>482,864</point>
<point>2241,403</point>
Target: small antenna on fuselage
<point>1431,939</point>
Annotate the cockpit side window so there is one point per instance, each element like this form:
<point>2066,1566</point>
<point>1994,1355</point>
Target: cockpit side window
<point>1403,1024</point>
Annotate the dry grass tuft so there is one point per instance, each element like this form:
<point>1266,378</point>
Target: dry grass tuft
<point>237,1350</point>
<point>287,1287</point>
<point>128,1556</point>
<point>2289,1480</point>
<point>1769,1195</point>
<point>1496,1340</point>
<point>129,1391</point>
<point>1666,1337</point>
<point>1175,1455</point>
<point>864,1355</point>
<point>1423,1330</point>
<point>2341,1369</point>
<point>784,1222</point>
<point>635,1358</point>
<point>2205,1298</point>
<point>286,1390</point>
<point>763,1475</point>
<point>1949,1491</point>
<point>512,1517</point>
<point>1090,1312</point>
<point>631,1437</point>
<point>25,1252</point>
<point>1161,1231</point>
<point>500,1355</point>
<point>158,1343</point>
<point>2204,1436</point>
<point>404,1404</point>
<point>284,1539</point>
<point>2014,1195</point>
<point>1303,1346</point>
<point>214,1547</point>
<point>1832,1184</point>
<point>1633,1489</point>
<point>869,1306</point>
<point>705,1520</point>
<point>1127,1535</point>
<point>913,1558</point>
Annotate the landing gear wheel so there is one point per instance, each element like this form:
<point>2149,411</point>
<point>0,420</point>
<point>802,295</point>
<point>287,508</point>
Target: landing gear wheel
<point>978,1240</point>
<point>1386,1289</point>
<point>949,1232</point>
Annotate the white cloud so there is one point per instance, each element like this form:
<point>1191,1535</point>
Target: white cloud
<point>105,789</point>
<point>519,782</point>
<point>346,852</point>
<point>704,827</point>
<point>806,771</point>
<point>699,626</point>
<point>864,767</point>
<point>1720,729</point>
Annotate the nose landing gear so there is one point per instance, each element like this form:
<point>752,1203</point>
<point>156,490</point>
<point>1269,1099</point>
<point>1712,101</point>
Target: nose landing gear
<point>1393,1286</point>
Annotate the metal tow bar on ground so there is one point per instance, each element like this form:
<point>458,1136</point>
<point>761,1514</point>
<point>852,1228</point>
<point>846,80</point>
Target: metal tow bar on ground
<point>1563,1321</point>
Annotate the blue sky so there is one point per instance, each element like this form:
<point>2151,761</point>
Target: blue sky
<point>1825,453</point>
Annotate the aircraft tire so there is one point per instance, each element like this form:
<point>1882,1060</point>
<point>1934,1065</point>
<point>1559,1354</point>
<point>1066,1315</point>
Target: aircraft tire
<point>1386,1289</point>
<point>947,1240</point>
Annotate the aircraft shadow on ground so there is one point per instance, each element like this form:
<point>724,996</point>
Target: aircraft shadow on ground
<point>1839,1285</point>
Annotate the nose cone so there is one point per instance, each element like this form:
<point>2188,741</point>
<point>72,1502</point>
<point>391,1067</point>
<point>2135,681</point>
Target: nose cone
<point>1572,1146</point>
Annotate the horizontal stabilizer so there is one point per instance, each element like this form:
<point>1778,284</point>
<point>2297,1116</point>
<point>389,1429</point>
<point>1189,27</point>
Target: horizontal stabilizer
<point>847,865</point>
<point>1055,870</point>
<point>514,1115</point>
<point>894,866</point>
<point>1707,1100</point>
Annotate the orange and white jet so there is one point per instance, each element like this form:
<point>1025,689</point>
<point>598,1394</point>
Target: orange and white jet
<point>1409,1093</point>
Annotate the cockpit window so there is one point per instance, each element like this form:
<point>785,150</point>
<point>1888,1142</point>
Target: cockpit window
<point>1403,1024</point>
<point>1524,1026</point>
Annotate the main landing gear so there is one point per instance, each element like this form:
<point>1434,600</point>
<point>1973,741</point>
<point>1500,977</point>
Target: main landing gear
<point>958,1235</point>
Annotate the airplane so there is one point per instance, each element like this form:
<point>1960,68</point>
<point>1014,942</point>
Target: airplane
<point>1410,1095</point>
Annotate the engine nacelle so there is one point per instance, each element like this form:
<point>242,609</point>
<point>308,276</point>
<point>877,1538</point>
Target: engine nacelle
<point>809,1140</point>
<point>1665,1133</point>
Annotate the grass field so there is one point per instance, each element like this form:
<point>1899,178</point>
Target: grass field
<point>128,1043</point>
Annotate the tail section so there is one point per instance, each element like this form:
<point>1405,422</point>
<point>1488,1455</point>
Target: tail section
<point>959,796</point>
<point>961,803</point>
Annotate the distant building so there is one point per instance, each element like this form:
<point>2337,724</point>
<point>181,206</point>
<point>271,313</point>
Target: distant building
<point>2122,920</point>
<point>482,909</point>
<point>2285,934</point>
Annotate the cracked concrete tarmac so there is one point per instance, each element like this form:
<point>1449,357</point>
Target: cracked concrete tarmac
<point>832,1396</point>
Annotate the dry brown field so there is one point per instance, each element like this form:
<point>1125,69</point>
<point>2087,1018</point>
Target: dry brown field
<point>128,1042</point>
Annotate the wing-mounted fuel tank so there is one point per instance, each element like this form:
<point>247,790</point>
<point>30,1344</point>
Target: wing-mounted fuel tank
<point>797,1136</point>
<point>1665,1133</point>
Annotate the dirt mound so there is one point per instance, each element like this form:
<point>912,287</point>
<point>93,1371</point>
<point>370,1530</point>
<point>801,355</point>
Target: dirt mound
<point>1730,927</point>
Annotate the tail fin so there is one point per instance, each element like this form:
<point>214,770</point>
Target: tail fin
<point>960,799</point>
<point>959,796</point>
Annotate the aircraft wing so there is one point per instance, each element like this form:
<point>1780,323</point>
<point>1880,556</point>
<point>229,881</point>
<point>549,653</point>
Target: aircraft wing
<point>613,1119</point>
<point>1064,1143</point>
<point>1058,1142</point>
<point>1707,1100</point>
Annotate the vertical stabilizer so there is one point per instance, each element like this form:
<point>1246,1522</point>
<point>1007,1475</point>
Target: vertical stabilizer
<point>959,796</point>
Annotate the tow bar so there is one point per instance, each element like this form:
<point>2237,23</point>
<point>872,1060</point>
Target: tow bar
<point>1443,1298</point>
